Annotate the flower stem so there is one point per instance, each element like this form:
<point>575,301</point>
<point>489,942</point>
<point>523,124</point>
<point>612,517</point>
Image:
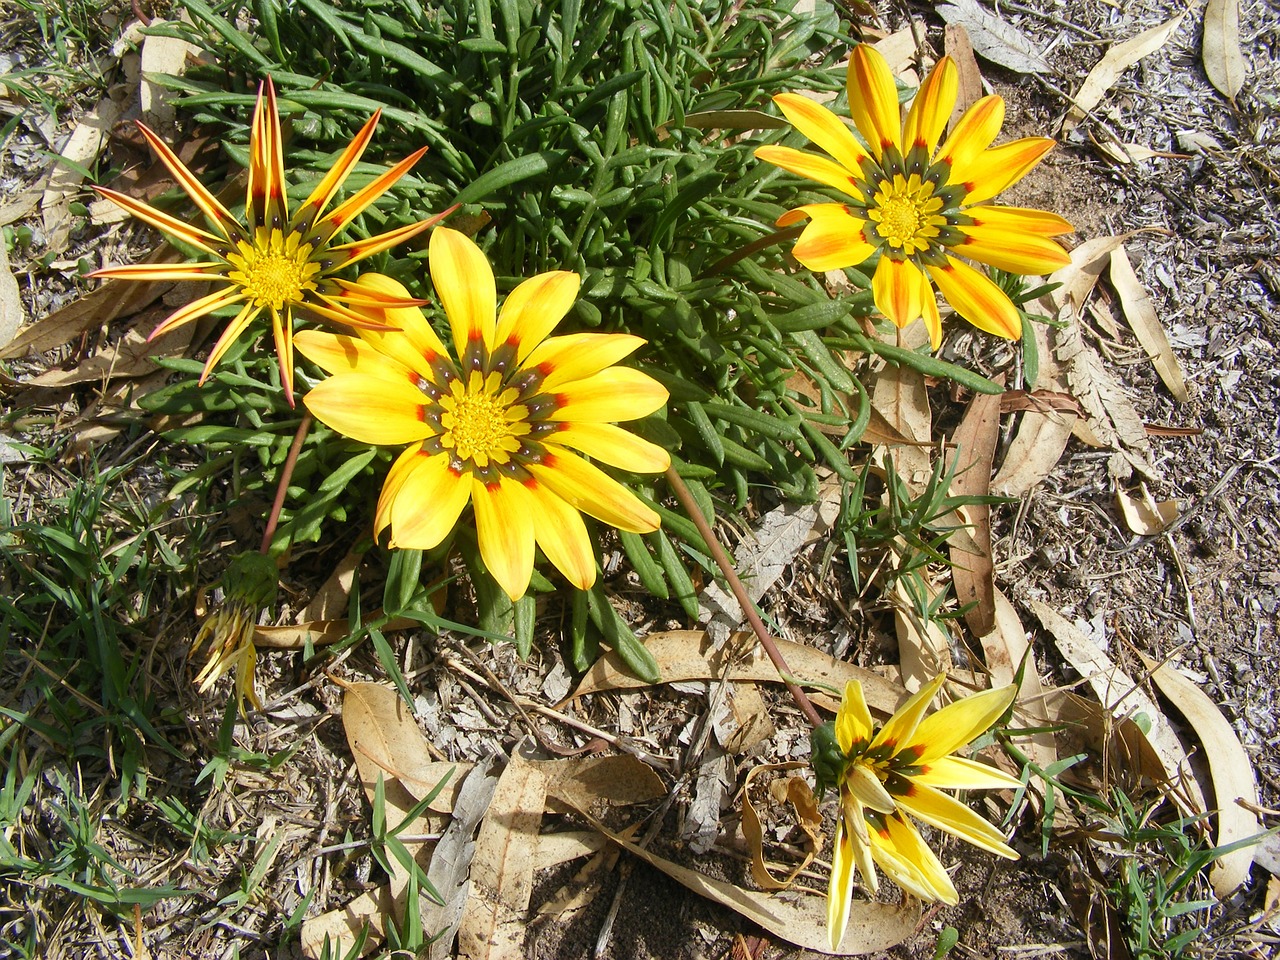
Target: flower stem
<point>282,487</point>
<point>740,593</point>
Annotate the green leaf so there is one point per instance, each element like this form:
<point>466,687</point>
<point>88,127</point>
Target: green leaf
<point>509,173</point>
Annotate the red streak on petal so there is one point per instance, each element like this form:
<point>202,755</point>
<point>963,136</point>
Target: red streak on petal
<point>921,143</point>
<point>429,356</point>
<point>531,483</point>
<point>493,487</point>
<point>549,460</point>
<point>513,340</point>
<point>561,400</point>
<point>422,411</point>
<point>546,367</point>
<point>474,336</point>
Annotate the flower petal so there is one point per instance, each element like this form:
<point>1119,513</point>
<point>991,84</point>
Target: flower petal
<point>824,128</point>
<point>853,720</point>
<point>1000,167</point>
<point>902,725</point>
<point>1020,220</point>
<point>464,281</point>
<point>185,232</point>
<point>946,813</point>
<point>1012,250</point>
<point>958,773</point>
<point>576,356</point>
<point>209,204</point>
<point>408,321</point>
<point>424,507</point>
<point>956,724</point>
<point>355,205</point>
<point>973,133</point>
<point>976,298</point>
<point>588,488</point>
<point>505,523</point>
<point>907,860</point>
<point>810,166</point>
<point>873,99</point>
<point>370,409</point>
<point>332,181</point>
<point>868,788</point>
<point>563,537</point>
<point>932,319</point>
<point>899,288</point>
<point>229,335</point>
<point>266,197</point>
<point>833,240</point>
<point>932,107</point>
<point>840,886</point>
<point>163,271</point>
<point>405,464</point>
<point>616,393</point>
<point>282,333</point>
<point>612,445</point>
<point>341,354</point>
<point>198,308</point>
<point>534,308</point>
<point>357,250</point>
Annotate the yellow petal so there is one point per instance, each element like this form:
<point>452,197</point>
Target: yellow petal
<point>1000,167</point>
<point>946,813</point>
<point>853,720</point>
<point>824,128</point>
<point>266,196</point>
<point>973,133</point>
<point>354,206</point>
<point>1015,251</point>
<point>338,173</point>
<point>899,288</point>
<point>282,333</point>
<point>866,786</point>
<point>932,319</point>
<point>356,250</point>
<point>575,356</point>
<point>370,409</point>
<point>206,201</point>
<point>563,537</point>
<point>958,773</point>
<point>338,354</point>
<point>405,464</point>
<point>409,321</point>
<point>505,523</point>
<point>907,860</point>
<point>873,99</point>
<point>833,240</point>
<point>426,504</point>
<point>976,298</point>
<point>534,308</point>
<point>958,723</point>
<point>1020,220</point>
<point>589,489</point>
<point>616,393</point>
<point>229,336</point>
<point>464,281</point>
<point>198,308</point>
<point>201,239</point>
<point>811,166</point>
<point>612,445</point>
<point>932,107</point>
<point>163,271</point>
<point>902,725</point>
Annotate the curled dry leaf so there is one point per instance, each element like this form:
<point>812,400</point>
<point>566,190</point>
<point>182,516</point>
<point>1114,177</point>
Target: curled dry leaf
<point>1230,771</point>
<point>1223,62</point>
<point>972,571</point>
<point>1117,60</point>
<point>796,792</point>
<point>385,740</point>
<point>688,655</point>
<point>1141,314</point>
<point>1144,516</point>
<point>1043,431</point>
<point>67,176</point>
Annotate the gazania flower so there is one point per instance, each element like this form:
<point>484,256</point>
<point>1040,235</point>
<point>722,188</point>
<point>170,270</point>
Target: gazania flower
<point>249,586</point>
<point>498,421</point>
<point>919,206</point>
<point>273,262</point>
<point>888,776</point>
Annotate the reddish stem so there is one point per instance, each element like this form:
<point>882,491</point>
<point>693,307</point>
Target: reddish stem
<point>740,593</point>
<point>283,486</point>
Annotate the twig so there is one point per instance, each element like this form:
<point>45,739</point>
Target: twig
<point>283,486</point>
<point>740,593</point>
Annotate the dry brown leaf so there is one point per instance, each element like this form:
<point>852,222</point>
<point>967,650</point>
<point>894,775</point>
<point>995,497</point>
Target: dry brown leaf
<point>872,926</point>
<point>582,890</point>
<point>66,178</point>
<point>995,39</point>
<point>332,600</point>
<point>1078,278</point>
<point>115,298</point>
<point>385,740</point>
<point>557,848</point>
<point>1042,433</point>
<point>960,49</point>
<point>973,573</point>
<point>319,633</point>
<point>1117,60</point>
<point>688,655</point>
<point>899,48</point>
<point>753,725</point>
<point>1223,62</point>
<point>132,356</point>
<point>901,397</point>
<point>1141,314</point>
<point>1230,771</point>
<point>12,313</point>
<point>1118,693</point>
<point>617,780</point>
<point>1005,646</point>
<point>341,927</point>
<point>494,918</point>
<point>1144,516</point>
<point>795,791</point>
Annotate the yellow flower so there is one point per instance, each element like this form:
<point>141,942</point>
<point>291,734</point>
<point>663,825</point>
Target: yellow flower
<point>916,204</point>
<point>497,421</point>
<point>273,262</point>
<point>249,586</point>
<point>890,775</point>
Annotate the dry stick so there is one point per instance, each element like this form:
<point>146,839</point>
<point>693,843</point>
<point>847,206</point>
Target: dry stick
<point>283,486</point>
<point>740,593</point>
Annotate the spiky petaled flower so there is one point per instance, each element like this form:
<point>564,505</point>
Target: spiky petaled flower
<point>498,421</point>
<point>273,262</point>
<point>249,587</point>
<point>888,776</point>
<point>919,206</point>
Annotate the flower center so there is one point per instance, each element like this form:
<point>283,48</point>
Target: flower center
<point>481,420</point>
<point>905,212</point>
<point>274,269</point>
